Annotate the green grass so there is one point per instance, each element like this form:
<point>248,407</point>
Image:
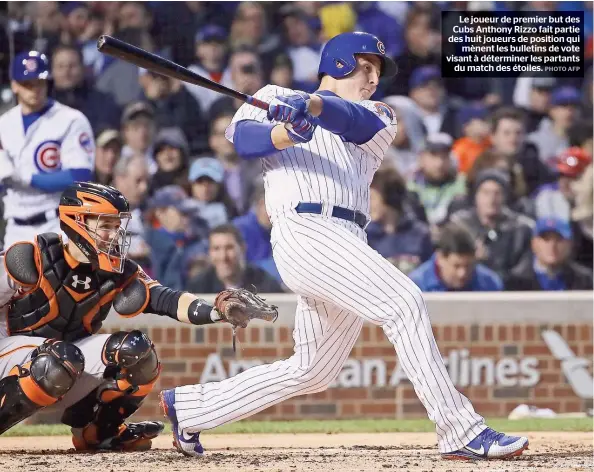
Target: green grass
<point>346,426</point>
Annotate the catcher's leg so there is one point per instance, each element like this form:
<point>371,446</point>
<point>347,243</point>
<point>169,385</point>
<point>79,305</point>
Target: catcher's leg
<point>131,370</point>
<point>52,370</point>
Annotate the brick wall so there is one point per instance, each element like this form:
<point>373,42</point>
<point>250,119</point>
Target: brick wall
<point>496,366</point>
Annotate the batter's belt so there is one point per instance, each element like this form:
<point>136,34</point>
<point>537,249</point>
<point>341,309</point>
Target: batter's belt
<point>337,212</point>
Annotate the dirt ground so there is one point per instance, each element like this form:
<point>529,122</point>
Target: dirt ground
<point>303,452</point>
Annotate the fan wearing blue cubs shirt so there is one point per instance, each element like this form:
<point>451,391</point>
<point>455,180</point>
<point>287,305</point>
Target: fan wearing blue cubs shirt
<point>44,147</point>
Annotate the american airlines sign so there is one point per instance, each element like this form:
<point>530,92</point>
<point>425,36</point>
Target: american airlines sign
<point>463,369</point>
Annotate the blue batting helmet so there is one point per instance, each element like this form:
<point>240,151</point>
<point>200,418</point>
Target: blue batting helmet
<point>29,65</point>
<point>338,56</point>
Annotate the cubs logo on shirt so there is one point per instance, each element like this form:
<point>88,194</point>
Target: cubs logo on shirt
<point>85,142</point>
<point>383,109</point>
<point>47,157</point>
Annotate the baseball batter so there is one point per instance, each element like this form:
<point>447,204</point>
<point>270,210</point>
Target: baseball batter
<point>319,154</point>
<point>44,147</point>
<point>53,300</point>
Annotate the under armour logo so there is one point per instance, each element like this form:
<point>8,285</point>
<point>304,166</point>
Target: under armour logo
<point>76,282</point>
<point>135,339</point>
<point>196,309</point>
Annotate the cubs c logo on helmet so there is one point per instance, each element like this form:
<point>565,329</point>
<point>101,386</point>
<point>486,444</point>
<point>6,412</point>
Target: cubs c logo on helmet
<point>47,157</point>
<point>381,48</point>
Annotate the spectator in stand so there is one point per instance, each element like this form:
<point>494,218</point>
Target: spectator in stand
<point>580,135</point>
<point>403,154</point>
<point>551,137</point>
<point>45,32</point>
<point>437,183</point>
<point>426,89</point>
<point>454,268</point>
<point>335,18</point>
<point>71,88</point>
<point>533,96</point>
<point>472,121</point>
<point>246,77</point>
<point>556,200</point>
<point>107,155</point>
<point>172,158</point>
<point>210,62</point>
<point>551,267</point>
<point>174,234</point>
<point>175,107</point>
<point>250,28</point>
<point>241,175</point>
<point>502,236</point>
<point>120,78</point>
<point>228,267</point>
<point>208,189</point>
<point>255,228</point>
<point>131,177</point>
<point>422,37</point>
<point>508,138</point>
<point>517,199</point>
<point>394,231</point>
<point>76,22</point>
<point>303,47</point>
<point>138,130</point>
<point>373,20</point>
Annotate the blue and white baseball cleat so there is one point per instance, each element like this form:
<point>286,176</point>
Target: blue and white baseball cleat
<point>187,444</point>
<point>490,445</point>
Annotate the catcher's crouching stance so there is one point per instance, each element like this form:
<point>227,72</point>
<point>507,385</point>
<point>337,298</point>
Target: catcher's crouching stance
<point>54,298</point>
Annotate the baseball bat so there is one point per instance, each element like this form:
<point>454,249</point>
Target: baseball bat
<point>147,60</point>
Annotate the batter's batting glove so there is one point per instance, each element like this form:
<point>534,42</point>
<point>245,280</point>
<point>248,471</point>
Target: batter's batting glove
<point>301,131</point>
<point>290,108</point>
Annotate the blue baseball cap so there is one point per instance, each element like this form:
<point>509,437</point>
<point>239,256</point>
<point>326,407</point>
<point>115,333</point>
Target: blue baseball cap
<point>173,196</point>
<point>468,113</point>
<point>29,65</point>
<point>207,167</point>
<point>423,75</point>
<point>555,225</point>
<point>565,96</point>
<point>211,33</point>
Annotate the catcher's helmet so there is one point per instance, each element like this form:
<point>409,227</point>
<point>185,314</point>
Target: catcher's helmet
<point>572,162</point>
<point>29,65</point>
<point>338,56</point>
<point>102,202</point>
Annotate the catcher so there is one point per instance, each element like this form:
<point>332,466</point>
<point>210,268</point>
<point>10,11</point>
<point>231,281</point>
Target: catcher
<point>54,297</point>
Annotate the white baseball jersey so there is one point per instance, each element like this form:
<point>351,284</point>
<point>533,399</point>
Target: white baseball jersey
<point>340,282</point>
<point>59,139</point>
<point>326,169</point>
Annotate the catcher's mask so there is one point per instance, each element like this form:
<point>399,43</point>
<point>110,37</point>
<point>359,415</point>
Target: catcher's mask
<point>95,217</point>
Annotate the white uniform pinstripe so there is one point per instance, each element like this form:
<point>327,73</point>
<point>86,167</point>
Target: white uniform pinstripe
<point>340,281</point>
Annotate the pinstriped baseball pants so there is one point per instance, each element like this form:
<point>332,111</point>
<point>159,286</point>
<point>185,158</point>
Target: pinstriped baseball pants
<point>340,282</point>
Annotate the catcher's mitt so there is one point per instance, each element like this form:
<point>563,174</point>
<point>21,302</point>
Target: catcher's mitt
<point>237,306</point>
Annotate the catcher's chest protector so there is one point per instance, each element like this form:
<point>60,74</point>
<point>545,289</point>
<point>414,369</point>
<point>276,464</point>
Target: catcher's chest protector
<point>67,303</point>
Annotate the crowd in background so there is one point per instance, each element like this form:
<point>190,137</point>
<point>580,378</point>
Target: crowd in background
<point>487,185</point>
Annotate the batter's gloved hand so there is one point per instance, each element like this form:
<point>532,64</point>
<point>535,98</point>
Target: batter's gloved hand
<point>238,306</point>
<point>290,108</point>
<point>301,131</point>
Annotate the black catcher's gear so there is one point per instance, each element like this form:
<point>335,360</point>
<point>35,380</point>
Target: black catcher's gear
<point>45,379</point>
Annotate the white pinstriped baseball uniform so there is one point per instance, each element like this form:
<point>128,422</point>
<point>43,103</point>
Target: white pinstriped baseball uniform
<point>340,282</point>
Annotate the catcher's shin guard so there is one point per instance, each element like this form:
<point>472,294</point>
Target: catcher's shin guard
<point>51,372</point>
<point>98,419</point>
